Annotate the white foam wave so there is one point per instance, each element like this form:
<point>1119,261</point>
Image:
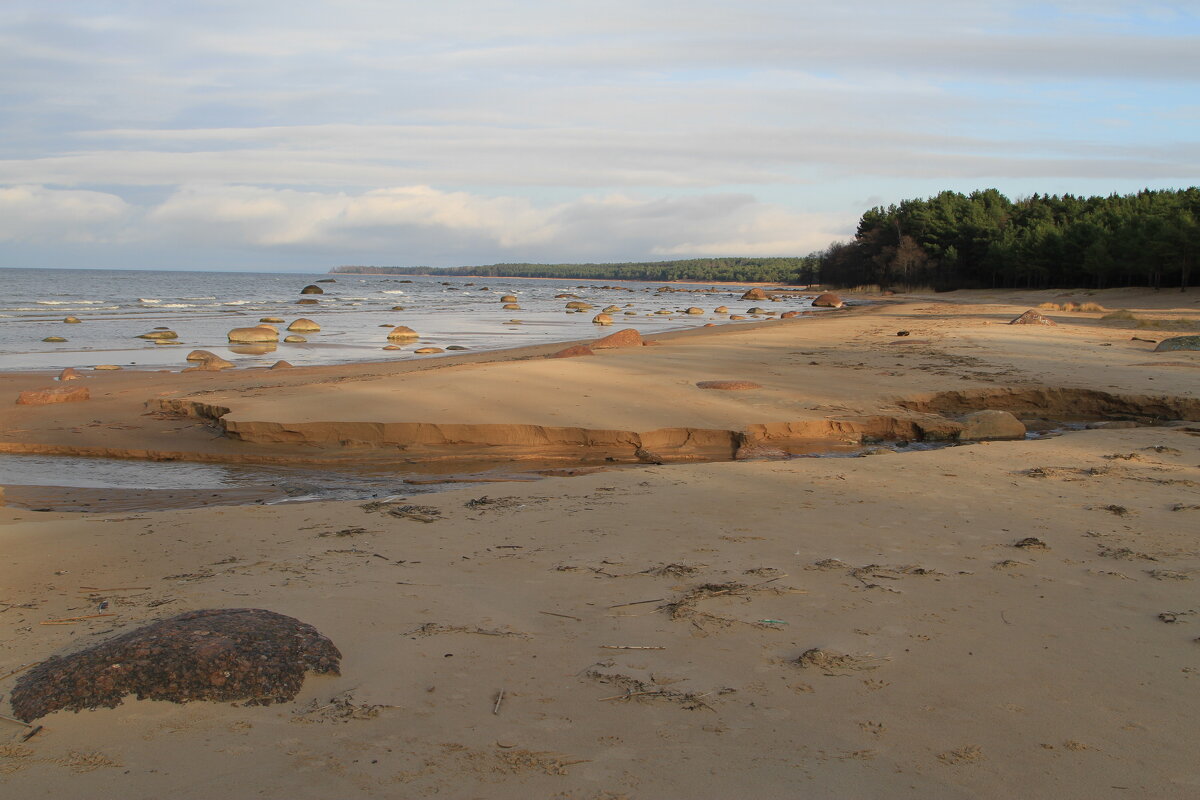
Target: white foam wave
<point>68,302</point>
<point>148,300</point>
<point>391,291</point>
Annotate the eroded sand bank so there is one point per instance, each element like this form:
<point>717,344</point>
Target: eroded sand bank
<point>943,660</point>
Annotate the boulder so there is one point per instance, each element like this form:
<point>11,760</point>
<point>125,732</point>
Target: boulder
<point>294,339</point>
<point>54,339</point>
<point>729,386</point>
<point>280,365</point>
<point>207,362</point>
<point>312,288</point>
<point>403,332</point>
<point>1032,317</point>
<point>426,351</point>
<point>1178,343</point>
<point>827,300</point>
<point>736,316</point>
<point>789,315</point>
<point>755,294</point>
<point>392,347</point>
<point>72,320</point>
<point>304,326</point>
<point>574,350</point>
<point>107,367</point>
<point>271,319</point>
<point>397,308</point>
<point>69,374</point>
<point>456,347</point>
<point>602,319</point>
<point>508,298</point>
<point>579,305</point>
<point>721,310</point>
<point>54,394</point>
<point>694,310</point>
<point>158,335</point>
<point>260,333</point>
<point>622,338</point>
<point>510,307</point>
<point>566,297</point>
<point>233,654</point>
<point>757,310</point>
<point>991,424</point>
<point>306,301</point>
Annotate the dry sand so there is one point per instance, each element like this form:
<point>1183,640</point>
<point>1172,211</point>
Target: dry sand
<point>818,628</point>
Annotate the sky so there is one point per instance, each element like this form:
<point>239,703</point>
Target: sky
<point>300,135</point>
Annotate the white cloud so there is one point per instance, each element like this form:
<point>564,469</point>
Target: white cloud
<point>38,214</point>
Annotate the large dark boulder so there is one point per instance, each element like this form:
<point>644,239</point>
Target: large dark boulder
<point>227,654</point>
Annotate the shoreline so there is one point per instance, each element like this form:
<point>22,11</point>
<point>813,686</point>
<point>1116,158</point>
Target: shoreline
<point>930,624</point>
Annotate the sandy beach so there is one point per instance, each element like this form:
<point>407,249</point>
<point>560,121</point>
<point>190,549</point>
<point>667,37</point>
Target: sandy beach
<point>690,616</point>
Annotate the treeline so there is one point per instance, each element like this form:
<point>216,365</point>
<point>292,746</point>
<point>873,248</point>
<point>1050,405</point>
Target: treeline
<point>737,270</point>
<point>985,240</point>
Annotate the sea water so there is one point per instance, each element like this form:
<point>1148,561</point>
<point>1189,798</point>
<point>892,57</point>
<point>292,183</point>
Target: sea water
<point>355,314</point>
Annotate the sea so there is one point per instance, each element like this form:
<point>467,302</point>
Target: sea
<point>355,313</point>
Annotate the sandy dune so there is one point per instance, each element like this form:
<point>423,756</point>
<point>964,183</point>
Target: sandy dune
<point>814,627</point>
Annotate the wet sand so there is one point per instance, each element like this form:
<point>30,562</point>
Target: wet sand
<point>848,627</point>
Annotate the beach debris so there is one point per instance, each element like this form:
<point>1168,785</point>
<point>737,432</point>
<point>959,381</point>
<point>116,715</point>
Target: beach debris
<point>312,289</point>
<point>967,754</point>
<point>1032,317</point>
<point>729,386</point>
<point>671,571</point>
<point>991,424</point>
<point>1031,543</point>
<point>648,456</point>
<point>413,512</point>
<point>628,337</point>
<point>435,629</point>
<point>834,663</point>
<point>247,654</point>
<point>53,394</point>
<point>499,700</point>
<point>631,647</point>
<point>564,616</point>
<point>573,351</point>
<point>643,691</point>
<point>1124,554</point>
<point>902,333</point>
<point>340,708</point>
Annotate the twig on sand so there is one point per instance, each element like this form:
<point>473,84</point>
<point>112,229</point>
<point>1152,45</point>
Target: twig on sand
<point>631,647</point>
<point>19,669</point>
<point>32,733</point>
<point>639,602</point>
<point>556,614</point>
<point>68,620</point>
<point>14,719</point>
<point>115,588</point>
<point>499,700</point>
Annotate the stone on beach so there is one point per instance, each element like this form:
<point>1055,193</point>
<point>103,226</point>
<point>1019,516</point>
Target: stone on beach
<point>69,374</point>
<point>1032,317</point>
<point>425,351</point>
<point>107,367</point>
<point>574,350</point>
<point>602,319</point>
<point>1178,343</point>
<point>72,320</point>
<point>280,365</point>
<point>721,310</point>
<point>271,319</point>
<point>243,654</point>
<point>579,305</point>
<point>827,300</point>
<point>627,337</point>
<point>306,301</point>
<point>694,310</point>
<point>159,335</point>
<point>54,339</point>
<point>755,294</point>
<point>510,307</point>
<point>294,339</point>
<point>53,394</point>
<point>207,362</point>
<point>991,424</point>
<point>312,289</point>
<point>789,314</point>
<point>255,334</point>
<point>508,298</point>
<point>303,325</point>
<point>403,332</point>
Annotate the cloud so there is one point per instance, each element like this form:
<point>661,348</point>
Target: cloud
<point>419,224</point>
<point>38,214</point>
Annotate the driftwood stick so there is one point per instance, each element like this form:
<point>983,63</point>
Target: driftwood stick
<point>19,669</point>
<point>14,719</point>
<point>628,695</point>
<point>65,620</point>
<point>631,647</point>
<point>32,733</point>
<point>499,700</point>
<point>556,614</point>
<point>114,588</point>
<point>639,602</point>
